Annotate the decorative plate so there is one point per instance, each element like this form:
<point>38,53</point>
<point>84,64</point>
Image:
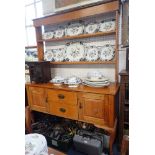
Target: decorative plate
<point>93,79</point>
<point>94,85</point>
<point>57,80</point>
<point>91,53</point>
<point>75,52</point>
<point>58,54</point>
<point>94,75</point>
<point>59,33</point>
<point>107,52</point>
<point>48,55</point>
<point>72,81</point>
<point>74,29</point>
<point>107,26</point>
<point>48,35</point>
<point>91,28</point>
<point>31,55</point>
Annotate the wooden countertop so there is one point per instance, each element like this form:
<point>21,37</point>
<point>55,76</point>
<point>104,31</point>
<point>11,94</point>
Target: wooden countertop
<point>111,89</point>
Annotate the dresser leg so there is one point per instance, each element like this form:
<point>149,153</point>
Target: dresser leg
<point>28,119</point>
<point>112,137</point>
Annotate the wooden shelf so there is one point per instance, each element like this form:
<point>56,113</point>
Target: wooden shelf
<point>77,14</point>
<point>29,47</point>
<point>81,36</point>
<point>83,62</point>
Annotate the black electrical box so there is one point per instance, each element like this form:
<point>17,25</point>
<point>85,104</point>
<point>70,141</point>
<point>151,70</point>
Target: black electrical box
<point>40,71</point>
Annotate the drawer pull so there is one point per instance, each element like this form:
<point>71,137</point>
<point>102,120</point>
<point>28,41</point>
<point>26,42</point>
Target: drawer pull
<point>62,110</point>
<point>61,96</point>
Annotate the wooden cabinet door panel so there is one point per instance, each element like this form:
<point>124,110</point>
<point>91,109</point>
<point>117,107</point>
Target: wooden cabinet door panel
<point>38,99</point>
<point>93,108</point>
<point>93,111</point>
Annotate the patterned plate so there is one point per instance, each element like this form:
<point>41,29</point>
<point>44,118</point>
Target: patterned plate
<point>74,29</point>
<point>48,55</point>
<point>59,33</point>
<point>58,54</point>
<point>75,52</point>
<point>107,26</point>
<point>48,35</point>
<point>91,53</point>
<point>91,28</point>
<point>107,52</point>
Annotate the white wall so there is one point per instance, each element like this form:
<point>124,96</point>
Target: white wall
<point>81,70</point>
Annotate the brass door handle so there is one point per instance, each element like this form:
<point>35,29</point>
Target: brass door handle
<point>62,110</point>
<point>61,96</point>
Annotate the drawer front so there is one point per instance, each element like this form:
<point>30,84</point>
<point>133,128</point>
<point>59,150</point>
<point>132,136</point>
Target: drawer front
<point>91,96</point>
<point>64,110</point>
<point>61,96</point>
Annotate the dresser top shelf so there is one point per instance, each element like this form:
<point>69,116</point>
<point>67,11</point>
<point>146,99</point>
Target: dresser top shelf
<point>77,14</point>
<point>111,89</point>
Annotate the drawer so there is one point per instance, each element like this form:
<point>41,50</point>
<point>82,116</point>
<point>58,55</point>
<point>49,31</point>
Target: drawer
<point>91,96</point>
<point>61,96</point>
<point>64,110</point>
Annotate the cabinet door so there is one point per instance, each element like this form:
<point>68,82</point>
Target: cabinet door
<point>92,108</point>
<point>37,99</point>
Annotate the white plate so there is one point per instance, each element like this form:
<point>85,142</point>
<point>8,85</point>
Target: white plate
<point>59,33</point>
<point>75,52</point>
<point>48,35</point>
<point>74,29</point>
<point>91,53</point>
<point>94,75</point>
<point>107,52</point>
<point>58,54</point>
<point>57,80</point>
<point>107,26</point>
<point>91,28</point>
<point>96,79</point>
<point>97,85</point>
<point>48,55</point>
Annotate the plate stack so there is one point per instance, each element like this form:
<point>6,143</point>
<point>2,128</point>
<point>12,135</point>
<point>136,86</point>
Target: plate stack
<point>96,79</point>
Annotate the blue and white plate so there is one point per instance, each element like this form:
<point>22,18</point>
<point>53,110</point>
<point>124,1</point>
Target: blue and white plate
<point>92,53</point>
<point>59,33</point>
<point>74,29</point>
<point>107,52</point>
<point>58,54</point>
<point>91,28</point>
<point>75,52</point>
<point>107,25</point>
<point>48,55</point>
